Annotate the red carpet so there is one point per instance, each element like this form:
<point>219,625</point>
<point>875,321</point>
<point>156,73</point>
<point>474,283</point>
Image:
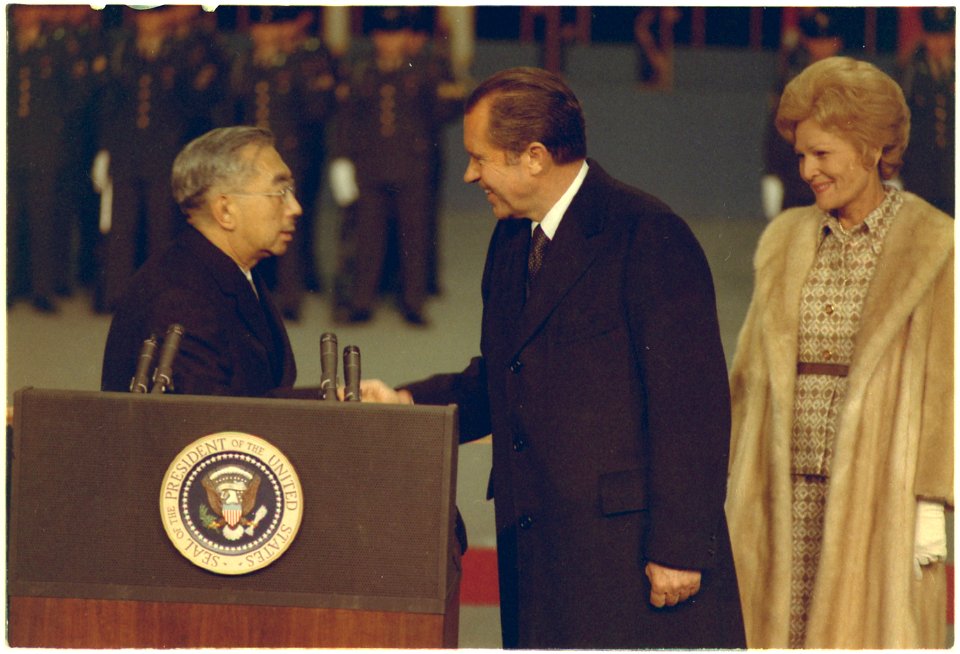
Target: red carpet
<point>478,584</point>
<point>949,593</point>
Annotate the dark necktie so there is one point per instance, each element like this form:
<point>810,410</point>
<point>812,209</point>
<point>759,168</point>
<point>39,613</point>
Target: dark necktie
<point>538,246</point>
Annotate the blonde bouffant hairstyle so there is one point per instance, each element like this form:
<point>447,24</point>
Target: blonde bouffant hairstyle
<point>855,100</point>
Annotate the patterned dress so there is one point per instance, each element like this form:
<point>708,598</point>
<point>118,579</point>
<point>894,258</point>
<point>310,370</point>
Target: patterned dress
<point>831,305</point>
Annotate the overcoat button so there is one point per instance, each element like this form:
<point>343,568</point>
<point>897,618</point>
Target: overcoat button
<point>526,522</point>
<point>516,365</point>
<point>519,445</point>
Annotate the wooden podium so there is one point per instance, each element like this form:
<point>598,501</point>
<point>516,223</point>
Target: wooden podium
<point>375,562</point>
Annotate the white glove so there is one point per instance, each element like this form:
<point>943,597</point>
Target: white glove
<point>106,208</point>
<point>930,541</point>
<point>343,182</point>
<point>100,171</point>
<point>771,195</point>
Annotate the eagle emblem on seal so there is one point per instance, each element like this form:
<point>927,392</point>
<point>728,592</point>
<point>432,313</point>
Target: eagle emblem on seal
<point>232,496</point>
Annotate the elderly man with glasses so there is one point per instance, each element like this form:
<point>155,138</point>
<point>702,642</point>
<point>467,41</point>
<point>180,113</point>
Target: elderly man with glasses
<point>237,194</point>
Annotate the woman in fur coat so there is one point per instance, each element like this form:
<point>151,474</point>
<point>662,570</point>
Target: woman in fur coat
<point>841,460</point>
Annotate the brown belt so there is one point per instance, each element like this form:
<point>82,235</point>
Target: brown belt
<point>832,369</point>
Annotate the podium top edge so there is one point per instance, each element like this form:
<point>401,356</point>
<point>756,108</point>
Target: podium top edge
<point>29,392</point>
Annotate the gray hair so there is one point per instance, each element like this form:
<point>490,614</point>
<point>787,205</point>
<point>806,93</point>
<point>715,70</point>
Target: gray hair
<point>213,160</point>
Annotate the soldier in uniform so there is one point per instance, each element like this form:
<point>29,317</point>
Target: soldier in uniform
<point>320,65</point>
<point>387,130</point>
<point>153,96</point>
<point>41,89</point>
<point>285,82</point>
<point>818,38</point>
<point>929,84</point>
<point>82,35</point>
<point>426,53</point>
<point>202,50</point>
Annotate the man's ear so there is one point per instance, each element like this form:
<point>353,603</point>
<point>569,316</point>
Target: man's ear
<point>538,157</point>
<point>223,212</point>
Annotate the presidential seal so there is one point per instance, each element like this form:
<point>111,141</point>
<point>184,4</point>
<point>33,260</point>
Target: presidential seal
<point>231,503</point>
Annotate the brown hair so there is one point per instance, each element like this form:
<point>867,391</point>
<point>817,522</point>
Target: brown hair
<point>853,99</point>
<point>533,105</point>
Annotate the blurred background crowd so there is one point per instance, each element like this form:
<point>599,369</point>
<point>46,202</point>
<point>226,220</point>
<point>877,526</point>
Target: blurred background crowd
<point>100,101</point>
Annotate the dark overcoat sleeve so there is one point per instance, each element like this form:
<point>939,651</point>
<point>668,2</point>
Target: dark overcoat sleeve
<point>466,389</point>
<point>671,313</point>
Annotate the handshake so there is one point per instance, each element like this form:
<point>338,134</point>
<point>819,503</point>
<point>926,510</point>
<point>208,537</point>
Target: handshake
<point>354,389</point>
<point>374,390</point>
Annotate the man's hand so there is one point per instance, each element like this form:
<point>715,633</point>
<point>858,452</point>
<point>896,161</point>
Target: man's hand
<point>669,586</point>
<point>374,390</point>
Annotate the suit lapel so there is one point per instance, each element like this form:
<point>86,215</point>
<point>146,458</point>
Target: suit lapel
<point>572,250</point>
<point>252,311</point>
<point>515,270</point>
<point>504,279</point>
<point>277,343</point>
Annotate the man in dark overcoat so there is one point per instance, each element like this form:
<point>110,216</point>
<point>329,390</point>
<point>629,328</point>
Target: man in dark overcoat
<point>603,381</point>
<point>236,192</point>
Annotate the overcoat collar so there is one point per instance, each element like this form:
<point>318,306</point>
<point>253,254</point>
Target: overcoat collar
<point>260,315</point>
<point>571,252</point>
<point>913,255</point>
<point>783,284</point>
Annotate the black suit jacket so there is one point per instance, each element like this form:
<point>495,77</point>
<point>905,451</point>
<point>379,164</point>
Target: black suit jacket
<point>234,344</point>
<point>606,393</point>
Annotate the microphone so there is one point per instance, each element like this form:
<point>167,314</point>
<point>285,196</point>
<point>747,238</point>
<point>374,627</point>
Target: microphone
<point>163,375</point>
<point>351,373</point>
<point>328,367</point>
<point>141,378</point>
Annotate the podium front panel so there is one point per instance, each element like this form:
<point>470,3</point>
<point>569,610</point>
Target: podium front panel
<point>379,484</point>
